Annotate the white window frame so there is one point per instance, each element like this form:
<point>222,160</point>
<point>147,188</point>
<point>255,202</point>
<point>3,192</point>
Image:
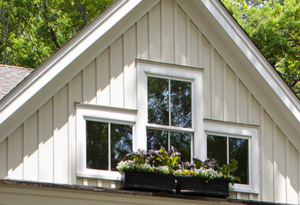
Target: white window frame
<point>243,131</point>
<point>186,73</point>
<point>102,114</point>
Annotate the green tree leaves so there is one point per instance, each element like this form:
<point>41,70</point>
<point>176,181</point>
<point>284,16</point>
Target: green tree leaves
<point>274,26</point>
<point>32,30</point>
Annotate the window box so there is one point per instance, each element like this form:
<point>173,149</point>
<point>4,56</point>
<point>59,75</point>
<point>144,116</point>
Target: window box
<point>147,181</point>
<point>199,186</point>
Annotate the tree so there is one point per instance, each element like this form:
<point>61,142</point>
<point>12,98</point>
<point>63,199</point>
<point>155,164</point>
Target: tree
<point>274,26</point>
<point>32,30</point>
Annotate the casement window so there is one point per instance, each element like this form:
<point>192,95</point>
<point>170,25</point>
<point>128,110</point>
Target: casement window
<point>226,141</point>
<point>104,137</point>
<point>106,144</point>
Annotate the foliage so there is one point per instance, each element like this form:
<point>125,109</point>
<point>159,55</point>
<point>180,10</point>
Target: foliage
<point>163,158</point>
<point>159,161</point>
<point>32,30</point>
<point>274,26</point>
<point>208,170</point>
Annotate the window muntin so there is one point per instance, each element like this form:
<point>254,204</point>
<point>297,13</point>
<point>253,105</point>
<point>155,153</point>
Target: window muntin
<point>106,144</point>
<point>225,148</point>
<point>169,105</point>
<point>180,140</point>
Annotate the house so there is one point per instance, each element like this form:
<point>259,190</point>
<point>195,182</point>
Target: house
<point>127,72</point>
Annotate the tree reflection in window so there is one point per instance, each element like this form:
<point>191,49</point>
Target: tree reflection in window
<point>160,101</point>
<point>224,148</point>
<point>170,105</point>
<point>98,137</point>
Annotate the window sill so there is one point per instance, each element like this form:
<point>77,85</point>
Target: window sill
<point>97,174</point>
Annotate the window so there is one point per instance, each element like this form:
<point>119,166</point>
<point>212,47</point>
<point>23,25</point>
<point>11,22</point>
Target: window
<point>106,144</point>
<point>167,99</point>
<point>169,105</point>
<point>104,136</point>
<point>226,141</point>
<point>225,148</point>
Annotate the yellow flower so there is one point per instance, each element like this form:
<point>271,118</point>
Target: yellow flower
<point>152,170</point>
<point>225,176</point>
<point>185,172</point>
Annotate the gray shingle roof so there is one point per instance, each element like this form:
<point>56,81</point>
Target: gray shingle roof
<point>10,77</point>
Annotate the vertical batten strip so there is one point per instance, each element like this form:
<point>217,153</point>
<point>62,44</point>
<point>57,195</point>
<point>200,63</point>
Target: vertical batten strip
<point>99,183</point>
<point>74,95</point>
<point>30,156</point>
<point>237,98</point>
<point>3,159</point>
<point>176,53</point>
<point>225,96</point>
<point>261,145</point>
<point>167,31</point>
<point>130,79</point>
<point>275,158</point>
<point>155,33</point>
<point>188,42</point>
<point>212,76</point>
<point>287,161</point>
<point>103,80</point>
<point>250,114</point>
<point>298,174</point>
<point>200,49</point>
<point>143,38</point>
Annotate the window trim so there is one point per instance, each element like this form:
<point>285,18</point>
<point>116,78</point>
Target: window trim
<point>102,114</point>
<point>147,68</point>
<point>244,131</point>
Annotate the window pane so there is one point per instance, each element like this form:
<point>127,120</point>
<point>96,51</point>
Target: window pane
<point>121,143</point>
<point>97,145</point>
<point>156,139</point>
<point>182,142</point>
<point>181,104</point>
<point>238,150</point>
<point>158,101</point>
<point>217,149</point>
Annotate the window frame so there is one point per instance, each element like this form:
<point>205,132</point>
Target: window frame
<point>99,114</point>
<point>177,72</point>
<point>238,130</point>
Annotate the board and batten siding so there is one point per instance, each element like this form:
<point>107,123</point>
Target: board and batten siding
<point>43,147</point>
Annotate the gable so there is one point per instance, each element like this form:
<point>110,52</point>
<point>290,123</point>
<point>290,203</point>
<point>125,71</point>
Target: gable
<point>44,141</point>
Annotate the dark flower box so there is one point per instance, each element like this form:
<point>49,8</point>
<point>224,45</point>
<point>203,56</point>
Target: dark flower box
<point>199,186</point>
<point>147,181</point>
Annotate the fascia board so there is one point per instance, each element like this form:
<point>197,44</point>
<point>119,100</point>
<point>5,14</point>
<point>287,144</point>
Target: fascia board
<point>64,57</point>
<point>227,44</point>
<point>63,67</point>
<point>254,55</point>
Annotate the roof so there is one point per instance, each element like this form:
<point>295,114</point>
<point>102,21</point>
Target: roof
<point>10,77</point>
<point>210,16</point>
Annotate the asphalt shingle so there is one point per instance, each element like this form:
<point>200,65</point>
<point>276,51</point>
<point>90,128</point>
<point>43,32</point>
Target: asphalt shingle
<point>10,77</point>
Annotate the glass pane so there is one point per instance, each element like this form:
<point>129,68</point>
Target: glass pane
<point>182,142</point>
<point>181,104</point>
<point>238,150</point>
<point>217,149</point>
<point>156,139</point>
<point>97,145</point>
<point>158,101</point>
<point>121,143</point>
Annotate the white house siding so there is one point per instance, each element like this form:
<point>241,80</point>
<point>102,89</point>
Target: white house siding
<point>43,147</point>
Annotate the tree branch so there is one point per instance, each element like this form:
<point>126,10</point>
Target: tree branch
<point>53,37</point>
